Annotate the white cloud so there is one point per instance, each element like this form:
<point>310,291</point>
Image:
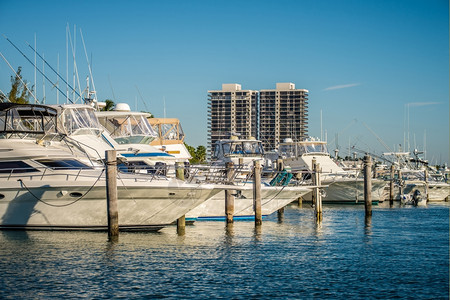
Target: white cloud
<point>422,103</point>
<point>342,86</point>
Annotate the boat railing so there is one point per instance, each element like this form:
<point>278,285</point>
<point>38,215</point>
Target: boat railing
<point>76,174</point>
<point>41,173</point>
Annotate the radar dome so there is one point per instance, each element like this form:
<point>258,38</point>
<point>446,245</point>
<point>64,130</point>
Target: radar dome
<point>122,107</point>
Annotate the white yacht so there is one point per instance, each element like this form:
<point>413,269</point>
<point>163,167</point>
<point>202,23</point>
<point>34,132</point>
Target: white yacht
<point>43,186</point>
<point>344,186</point>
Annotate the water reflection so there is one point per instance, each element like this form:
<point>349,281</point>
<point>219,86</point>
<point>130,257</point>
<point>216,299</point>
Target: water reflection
<point>297,259</point>
<point>257,232</point>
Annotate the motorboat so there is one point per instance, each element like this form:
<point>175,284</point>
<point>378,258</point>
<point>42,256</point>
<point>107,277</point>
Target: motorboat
<point>412,196</point>
<point>43,186</point>
<point>344,186</point>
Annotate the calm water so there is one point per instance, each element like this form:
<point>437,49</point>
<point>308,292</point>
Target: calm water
<point>403,253</point>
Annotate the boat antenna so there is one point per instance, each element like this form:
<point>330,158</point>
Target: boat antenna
<point>24,84</point>
<point>53,71</point>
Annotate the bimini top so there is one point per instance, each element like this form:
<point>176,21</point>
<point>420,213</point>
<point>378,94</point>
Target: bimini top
<point>27,118</point>
<point>168,129</point>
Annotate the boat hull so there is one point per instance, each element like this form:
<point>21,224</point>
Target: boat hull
<point>349,191</point>
<point>272,199</point>
<point>81,205</point>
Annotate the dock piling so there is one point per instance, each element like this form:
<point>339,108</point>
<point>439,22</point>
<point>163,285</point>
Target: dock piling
<point>368,184</point>
<point>257,191</point>
<point>181,221</point>
<point>317,196</point>
<point>280,168</point>
<point>111,194</point>
<point>391,186</point>
<point>229,198</point>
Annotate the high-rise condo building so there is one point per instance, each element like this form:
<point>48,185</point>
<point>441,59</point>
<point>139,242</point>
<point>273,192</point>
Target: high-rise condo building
<point>231,111</point>
<point>283,113</point>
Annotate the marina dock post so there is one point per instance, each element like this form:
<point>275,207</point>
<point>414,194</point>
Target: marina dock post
<point>426,185</point>
<point>257,191</point>
<point>229,198</point>
<point>181,221</point>
<point>400,183</point>
<point>313,179</point>
<point>368,185</point>
<point>111,193</point>
<point>317,196</point>
<point>280,168</point>
<point>391,186</point>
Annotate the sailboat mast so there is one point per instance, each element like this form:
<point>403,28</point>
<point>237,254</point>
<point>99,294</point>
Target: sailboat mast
<point>35,86</point>
<point>43,80</point>
<point>67,62</point>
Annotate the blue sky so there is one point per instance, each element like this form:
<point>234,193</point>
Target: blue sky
<point>370,66</point>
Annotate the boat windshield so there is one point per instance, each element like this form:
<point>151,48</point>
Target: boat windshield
<point>287,151</point>
<point>313,148</point>
<point>77,121</point>
<point>243,148</point>
<point>128,129</point>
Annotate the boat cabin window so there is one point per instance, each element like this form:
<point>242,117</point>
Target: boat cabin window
<point>245,148</point>
<point>64,164</point>
<point>80,121</point>
<point>15,167</point>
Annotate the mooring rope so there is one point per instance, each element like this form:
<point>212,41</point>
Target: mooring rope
<point>63,205</point>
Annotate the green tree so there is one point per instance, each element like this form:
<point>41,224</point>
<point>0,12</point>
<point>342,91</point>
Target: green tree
<point>109,105</point>
<point>19,92</point>
<point>198,155</point>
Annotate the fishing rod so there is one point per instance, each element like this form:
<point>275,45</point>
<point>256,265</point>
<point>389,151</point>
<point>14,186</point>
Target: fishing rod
<point>35,66</point>
<point>19,79</point>
<point>54,71</point>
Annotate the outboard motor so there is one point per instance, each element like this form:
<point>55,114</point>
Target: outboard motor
<point>417,197</point>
